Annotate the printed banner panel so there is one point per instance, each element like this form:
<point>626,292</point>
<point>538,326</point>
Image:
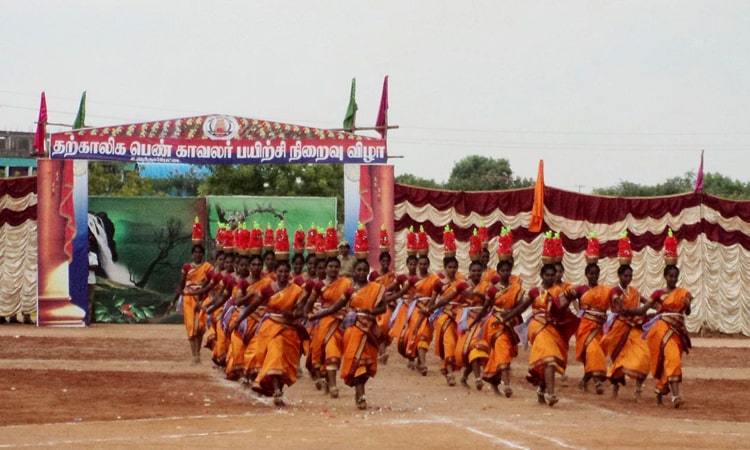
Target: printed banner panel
<point>217,140</point>
<point>270,211</point>
<point>61,243</point>
<point>142,244</point>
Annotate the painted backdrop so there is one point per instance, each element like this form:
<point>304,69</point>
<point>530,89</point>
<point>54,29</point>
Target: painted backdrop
<point>142,243</point>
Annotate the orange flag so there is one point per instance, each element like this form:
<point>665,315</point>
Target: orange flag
<point>537,211</point>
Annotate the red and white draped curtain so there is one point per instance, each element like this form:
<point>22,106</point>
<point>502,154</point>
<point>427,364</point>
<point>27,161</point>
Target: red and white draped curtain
<point>18,245</point>
<point>713,240</point>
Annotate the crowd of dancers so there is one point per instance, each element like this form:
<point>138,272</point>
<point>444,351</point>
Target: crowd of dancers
<point>263,317</point>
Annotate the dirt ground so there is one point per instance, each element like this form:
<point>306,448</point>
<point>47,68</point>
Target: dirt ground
<point>133,385</point>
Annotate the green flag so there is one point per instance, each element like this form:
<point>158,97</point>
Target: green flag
<point>81,116</point>
<point>351,110</point>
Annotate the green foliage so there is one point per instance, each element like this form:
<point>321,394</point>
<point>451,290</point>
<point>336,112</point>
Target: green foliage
<point>480,173</point>
<point>676,185</point>
<point>722,186</point>
<point>117,179</point>
<point>713,183</point>
<point>281,180</point>
<point>473,173</point>
<point>178,184</point>
<point>413,180</point>
<point>117,310</point>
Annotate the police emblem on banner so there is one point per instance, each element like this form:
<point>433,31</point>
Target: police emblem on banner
<point>220,127</point>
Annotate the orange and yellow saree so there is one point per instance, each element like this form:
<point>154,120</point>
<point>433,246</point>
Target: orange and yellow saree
<point>667,337</point>
<point>278,339</point>
<point>326,344</point>
<point>362,337</point>
<point>500,335</point>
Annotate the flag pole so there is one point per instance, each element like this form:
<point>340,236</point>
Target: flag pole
<point>58,124</point>
<point>377,128</point>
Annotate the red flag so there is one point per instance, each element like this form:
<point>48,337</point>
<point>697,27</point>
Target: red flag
<point>382,120</point>
<point>41,126</point>
<point>537,210</point>
<point>699,178</point>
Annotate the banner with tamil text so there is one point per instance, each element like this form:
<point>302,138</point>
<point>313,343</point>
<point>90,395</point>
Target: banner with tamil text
<point>218,139</point>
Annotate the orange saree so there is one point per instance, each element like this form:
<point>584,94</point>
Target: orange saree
<point>400,319</point>
<point>623,342</point>
<point>471,343</point>
<point>278,340</point>
<point>240,351</point>
<point>226,317</point>
<point>195,319</point>
<point>446,330</point>
<point>327,341</point>
<point>594,303</point>
<point>488,275</point>
<point>668,338</point>
<point>418,332</point>
<point>548,346</point>
<point>384,320</point>
<point>361,339</point>
<point>211,324</point>
<point>500,336</point>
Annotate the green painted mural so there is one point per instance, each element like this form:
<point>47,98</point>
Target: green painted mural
<point>142,244</point>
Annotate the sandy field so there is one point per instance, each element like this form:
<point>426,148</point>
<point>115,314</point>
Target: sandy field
<point>123,386</point>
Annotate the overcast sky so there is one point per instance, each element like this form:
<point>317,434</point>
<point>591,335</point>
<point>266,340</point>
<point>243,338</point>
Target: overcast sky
<point>602,91</point>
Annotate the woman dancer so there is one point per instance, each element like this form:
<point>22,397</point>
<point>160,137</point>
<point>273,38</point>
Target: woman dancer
<point>241,363</point>
<point>362,334</point>
<point>400,316</point>
<point>472,350</point>
<point>447,308</point>
<point>298,266</point>
<point>387,278</point>
<point>593,301</point>
<point>216,308</point>
<point>279,334</point>
<point>623,342</point>
<point>215,287</point>
<point>326,344</point>
<point>667,336</point>
<point>547,335</point>
<point>563,287</point>
<point>499,332</point>
<point>417,335</point>
<point>192,283</point>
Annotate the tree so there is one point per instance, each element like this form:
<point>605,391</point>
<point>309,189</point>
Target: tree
<point>713,183</point>
<point>282,180</point>
<point>722,186</point>
<point>117,179</point>
<point>165,240</point>
<point>413,180</point>
<point>480,173</point>
<point>178,184</point>
<point>675,185</point>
